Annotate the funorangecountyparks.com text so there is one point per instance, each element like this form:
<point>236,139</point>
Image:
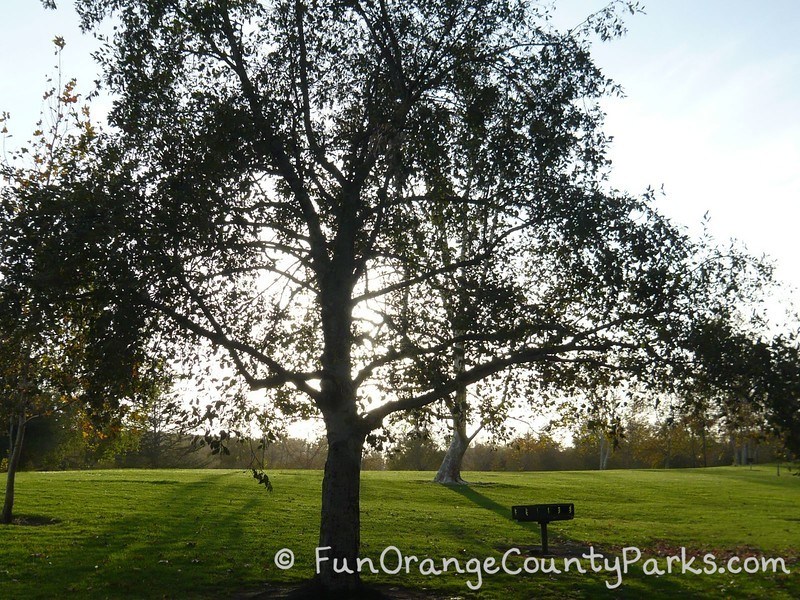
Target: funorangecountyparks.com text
<point>392,561</point>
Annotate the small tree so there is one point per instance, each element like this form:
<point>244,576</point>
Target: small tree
<point>62,343</point>
<point>161,431</point>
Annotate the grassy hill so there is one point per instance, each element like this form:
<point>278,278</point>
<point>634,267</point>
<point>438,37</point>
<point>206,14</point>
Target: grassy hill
<point>214,534</point>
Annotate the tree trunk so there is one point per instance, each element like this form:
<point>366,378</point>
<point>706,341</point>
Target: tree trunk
<point>339,537</point>
<point>669,450</point>
<point>13,465</point>
<point>340,522</point>
<point>450,469</point>
<point>602,449</point>
<point>605,452</point>
<point>705,451</point>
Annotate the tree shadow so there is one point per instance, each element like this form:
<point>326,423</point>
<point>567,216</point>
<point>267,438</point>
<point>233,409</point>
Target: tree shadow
<point>184,531</point>
<point>34,520</point>
<point>592,585</point>
<point>559,545</point>
<point>468,492</point>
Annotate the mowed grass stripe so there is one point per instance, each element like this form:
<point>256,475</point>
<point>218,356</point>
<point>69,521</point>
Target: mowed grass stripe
<point>208,534</point>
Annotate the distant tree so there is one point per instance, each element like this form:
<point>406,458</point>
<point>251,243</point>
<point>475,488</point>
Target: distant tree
<point>699,421</point>
<point>600,417</point>
<point>533,453</point>
<point>753,381</point>
<point>163,433</point>
<point>294,453</point>
<point>481,457</point>
<point>373,460</point>
<point>414,453</point>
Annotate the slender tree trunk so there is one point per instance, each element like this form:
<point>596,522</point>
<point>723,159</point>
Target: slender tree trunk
<point>669,450</point>
<point>602,450</point>
<point>339,538</point>
<point>605,452</point>
<point>13,465</point>
<point>705,450</point>
<point>450,469</point>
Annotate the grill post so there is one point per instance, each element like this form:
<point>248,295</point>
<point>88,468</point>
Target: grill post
<point>544,536</point>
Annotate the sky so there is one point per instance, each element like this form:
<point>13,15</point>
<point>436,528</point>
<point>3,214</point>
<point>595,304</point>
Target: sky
<point>712,112</point>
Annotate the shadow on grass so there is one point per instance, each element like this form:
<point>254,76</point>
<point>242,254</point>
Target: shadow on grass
<point>468,492</point>
<point>583,584</point>
<point>559,543</point>
<point>34,520</point>
<point>145,481</point>
<point>533,539</point>
<point>184,533</point>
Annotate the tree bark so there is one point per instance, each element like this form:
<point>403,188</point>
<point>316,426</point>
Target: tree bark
<point>340,523</point>
<point>669,450</point>
<point>450,469</point>
<point>13,465</point>
<point>705,451</point>
<point>339,538</point>
<point>605,452</point>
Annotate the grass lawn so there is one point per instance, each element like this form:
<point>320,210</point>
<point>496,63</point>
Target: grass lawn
<point>212,534</point>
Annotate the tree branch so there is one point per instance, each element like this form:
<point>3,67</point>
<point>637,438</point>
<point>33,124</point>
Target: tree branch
<point>274,147</point>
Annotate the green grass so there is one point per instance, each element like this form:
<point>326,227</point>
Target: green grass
<point>209,534</point>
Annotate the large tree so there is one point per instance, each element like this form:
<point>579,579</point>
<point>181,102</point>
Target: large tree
<point>286,178</point>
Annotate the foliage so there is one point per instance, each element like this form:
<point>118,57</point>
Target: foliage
<point>300,165</point>
<point>62,339</point>
<point>160,428</point>
<point>306,155</point>
<point>64,345</point>
<point>414,453</point>
<point>261,477</point>
<point>755,380</point>
<point>644,446</point>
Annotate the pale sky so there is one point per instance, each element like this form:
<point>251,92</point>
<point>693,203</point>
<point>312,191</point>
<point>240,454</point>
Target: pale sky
<point>712,112</point>
<point>711,107</point>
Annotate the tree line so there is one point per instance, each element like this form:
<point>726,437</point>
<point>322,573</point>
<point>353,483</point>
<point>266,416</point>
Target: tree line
<point>60,443</point>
